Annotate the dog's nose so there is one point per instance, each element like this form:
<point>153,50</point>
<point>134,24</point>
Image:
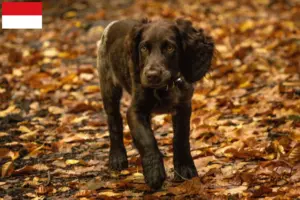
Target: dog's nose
<point>153,76</point>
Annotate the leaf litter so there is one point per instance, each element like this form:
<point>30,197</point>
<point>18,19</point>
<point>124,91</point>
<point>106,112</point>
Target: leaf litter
<point>245,122</point>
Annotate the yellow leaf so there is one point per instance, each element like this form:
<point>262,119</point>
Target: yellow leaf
<point>34,153</point>
<point>24,129</point>
<point>63,189</point>
<point>91,89</point>
<point>289,24</point>
<point>247,25</point>
<point>13,155</point>
<point>70,14</point>
<point>125,172</point>
<point>72,162</point>
<point>64,54</point>
<point>28,136</point>
<point>245,84</point>
<point>138,175</point>
<point>270,156</point>
<point>10,110</point>
<point>78,24</point>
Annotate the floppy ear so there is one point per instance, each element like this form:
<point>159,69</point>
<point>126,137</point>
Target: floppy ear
<point>133,41</point>
<point>198,50</point>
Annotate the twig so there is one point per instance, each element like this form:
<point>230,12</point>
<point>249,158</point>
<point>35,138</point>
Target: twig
<point>49,179</point>
<point>180,175</point>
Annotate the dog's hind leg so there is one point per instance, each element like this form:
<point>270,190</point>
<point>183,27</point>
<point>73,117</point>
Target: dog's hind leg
<point>111,96</point>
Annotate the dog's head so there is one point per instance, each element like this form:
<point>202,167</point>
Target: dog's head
<point>163,50</point>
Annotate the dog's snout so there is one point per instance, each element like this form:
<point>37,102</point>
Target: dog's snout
<point>153,76</point>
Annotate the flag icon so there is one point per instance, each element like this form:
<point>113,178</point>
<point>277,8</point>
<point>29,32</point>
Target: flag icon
<point>22,15</point>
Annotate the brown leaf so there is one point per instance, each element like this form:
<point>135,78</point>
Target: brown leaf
<point>109,194</point>
<point>294,192</point>
<point>55,110</point>
<point>294,154</point>
<point>59,163</point>
<point>94,184</point>
<point>36,80</point>
<point>7,169</point>
<point>295,177</point>
<point>42,190</point>
<point>4,152</point>
<point>31,169</point>
<point>69,79</point>
<point>236,190</point>
<point>79,137</point>
<point>81,107</point>
<point>193,186</point>
<point>262,190</point>
<point>84,193</point>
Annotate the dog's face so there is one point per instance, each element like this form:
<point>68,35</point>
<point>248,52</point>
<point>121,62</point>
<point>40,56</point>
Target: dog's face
<point>163,50</point>
<point>158,54</point>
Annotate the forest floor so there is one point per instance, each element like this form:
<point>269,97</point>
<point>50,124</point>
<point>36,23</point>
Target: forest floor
<point>246,112</point>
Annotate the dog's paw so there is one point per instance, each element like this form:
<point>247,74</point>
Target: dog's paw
<point>183,172</point>
<point>154,172</point>
<point>118,160</point>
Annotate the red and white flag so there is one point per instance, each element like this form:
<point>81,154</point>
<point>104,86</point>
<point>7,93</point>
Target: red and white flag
<point>22,15</point>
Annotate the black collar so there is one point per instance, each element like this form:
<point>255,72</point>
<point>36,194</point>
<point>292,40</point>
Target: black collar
<point>176,82</point>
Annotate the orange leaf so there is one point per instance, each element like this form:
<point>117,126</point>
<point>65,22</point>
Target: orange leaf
<point>7,169</point>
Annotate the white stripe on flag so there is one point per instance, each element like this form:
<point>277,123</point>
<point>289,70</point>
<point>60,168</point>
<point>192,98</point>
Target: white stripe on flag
<point>21,21</point>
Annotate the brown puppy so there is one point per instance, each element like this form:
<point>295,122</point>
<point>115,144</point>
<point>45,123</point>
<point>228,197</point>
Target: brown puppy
<point>156,62</point>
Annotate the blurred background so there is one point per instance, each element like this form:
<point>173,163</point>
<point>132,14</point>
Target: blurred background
<point>245,122</point>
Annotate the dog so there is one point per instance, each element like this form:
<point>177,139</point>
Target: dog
<point>157,64</point>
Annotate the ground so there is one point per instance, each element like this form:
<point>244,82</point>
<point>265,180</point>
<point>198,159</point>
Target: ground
<point>246,112</point>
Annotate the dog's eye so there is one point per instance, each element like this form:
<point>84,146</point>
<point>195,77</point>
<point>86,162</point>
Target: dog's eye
<point>170,49</point>
<point>144,49</point>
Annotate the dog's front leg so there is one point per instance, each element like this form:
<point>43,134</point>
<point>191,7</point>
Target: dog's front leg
<point>144,140</point>
<point>184,167</point>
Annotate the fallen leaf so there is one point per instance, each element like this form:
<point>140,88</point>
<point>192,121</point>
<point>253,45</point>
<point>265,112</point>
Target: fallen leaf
<point>10,110</point>
<point>236,190</point>
<point>59,163</point>
<point>55,110</point>
<point>72,162</point>
<point>109,193</point>
<point>84,193</point>
<point>41,190</point>
<point>91,89</point>
<point>247,25</point>
<point>7,169</point>
<point>294,154</point>
<point>51,52</point>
